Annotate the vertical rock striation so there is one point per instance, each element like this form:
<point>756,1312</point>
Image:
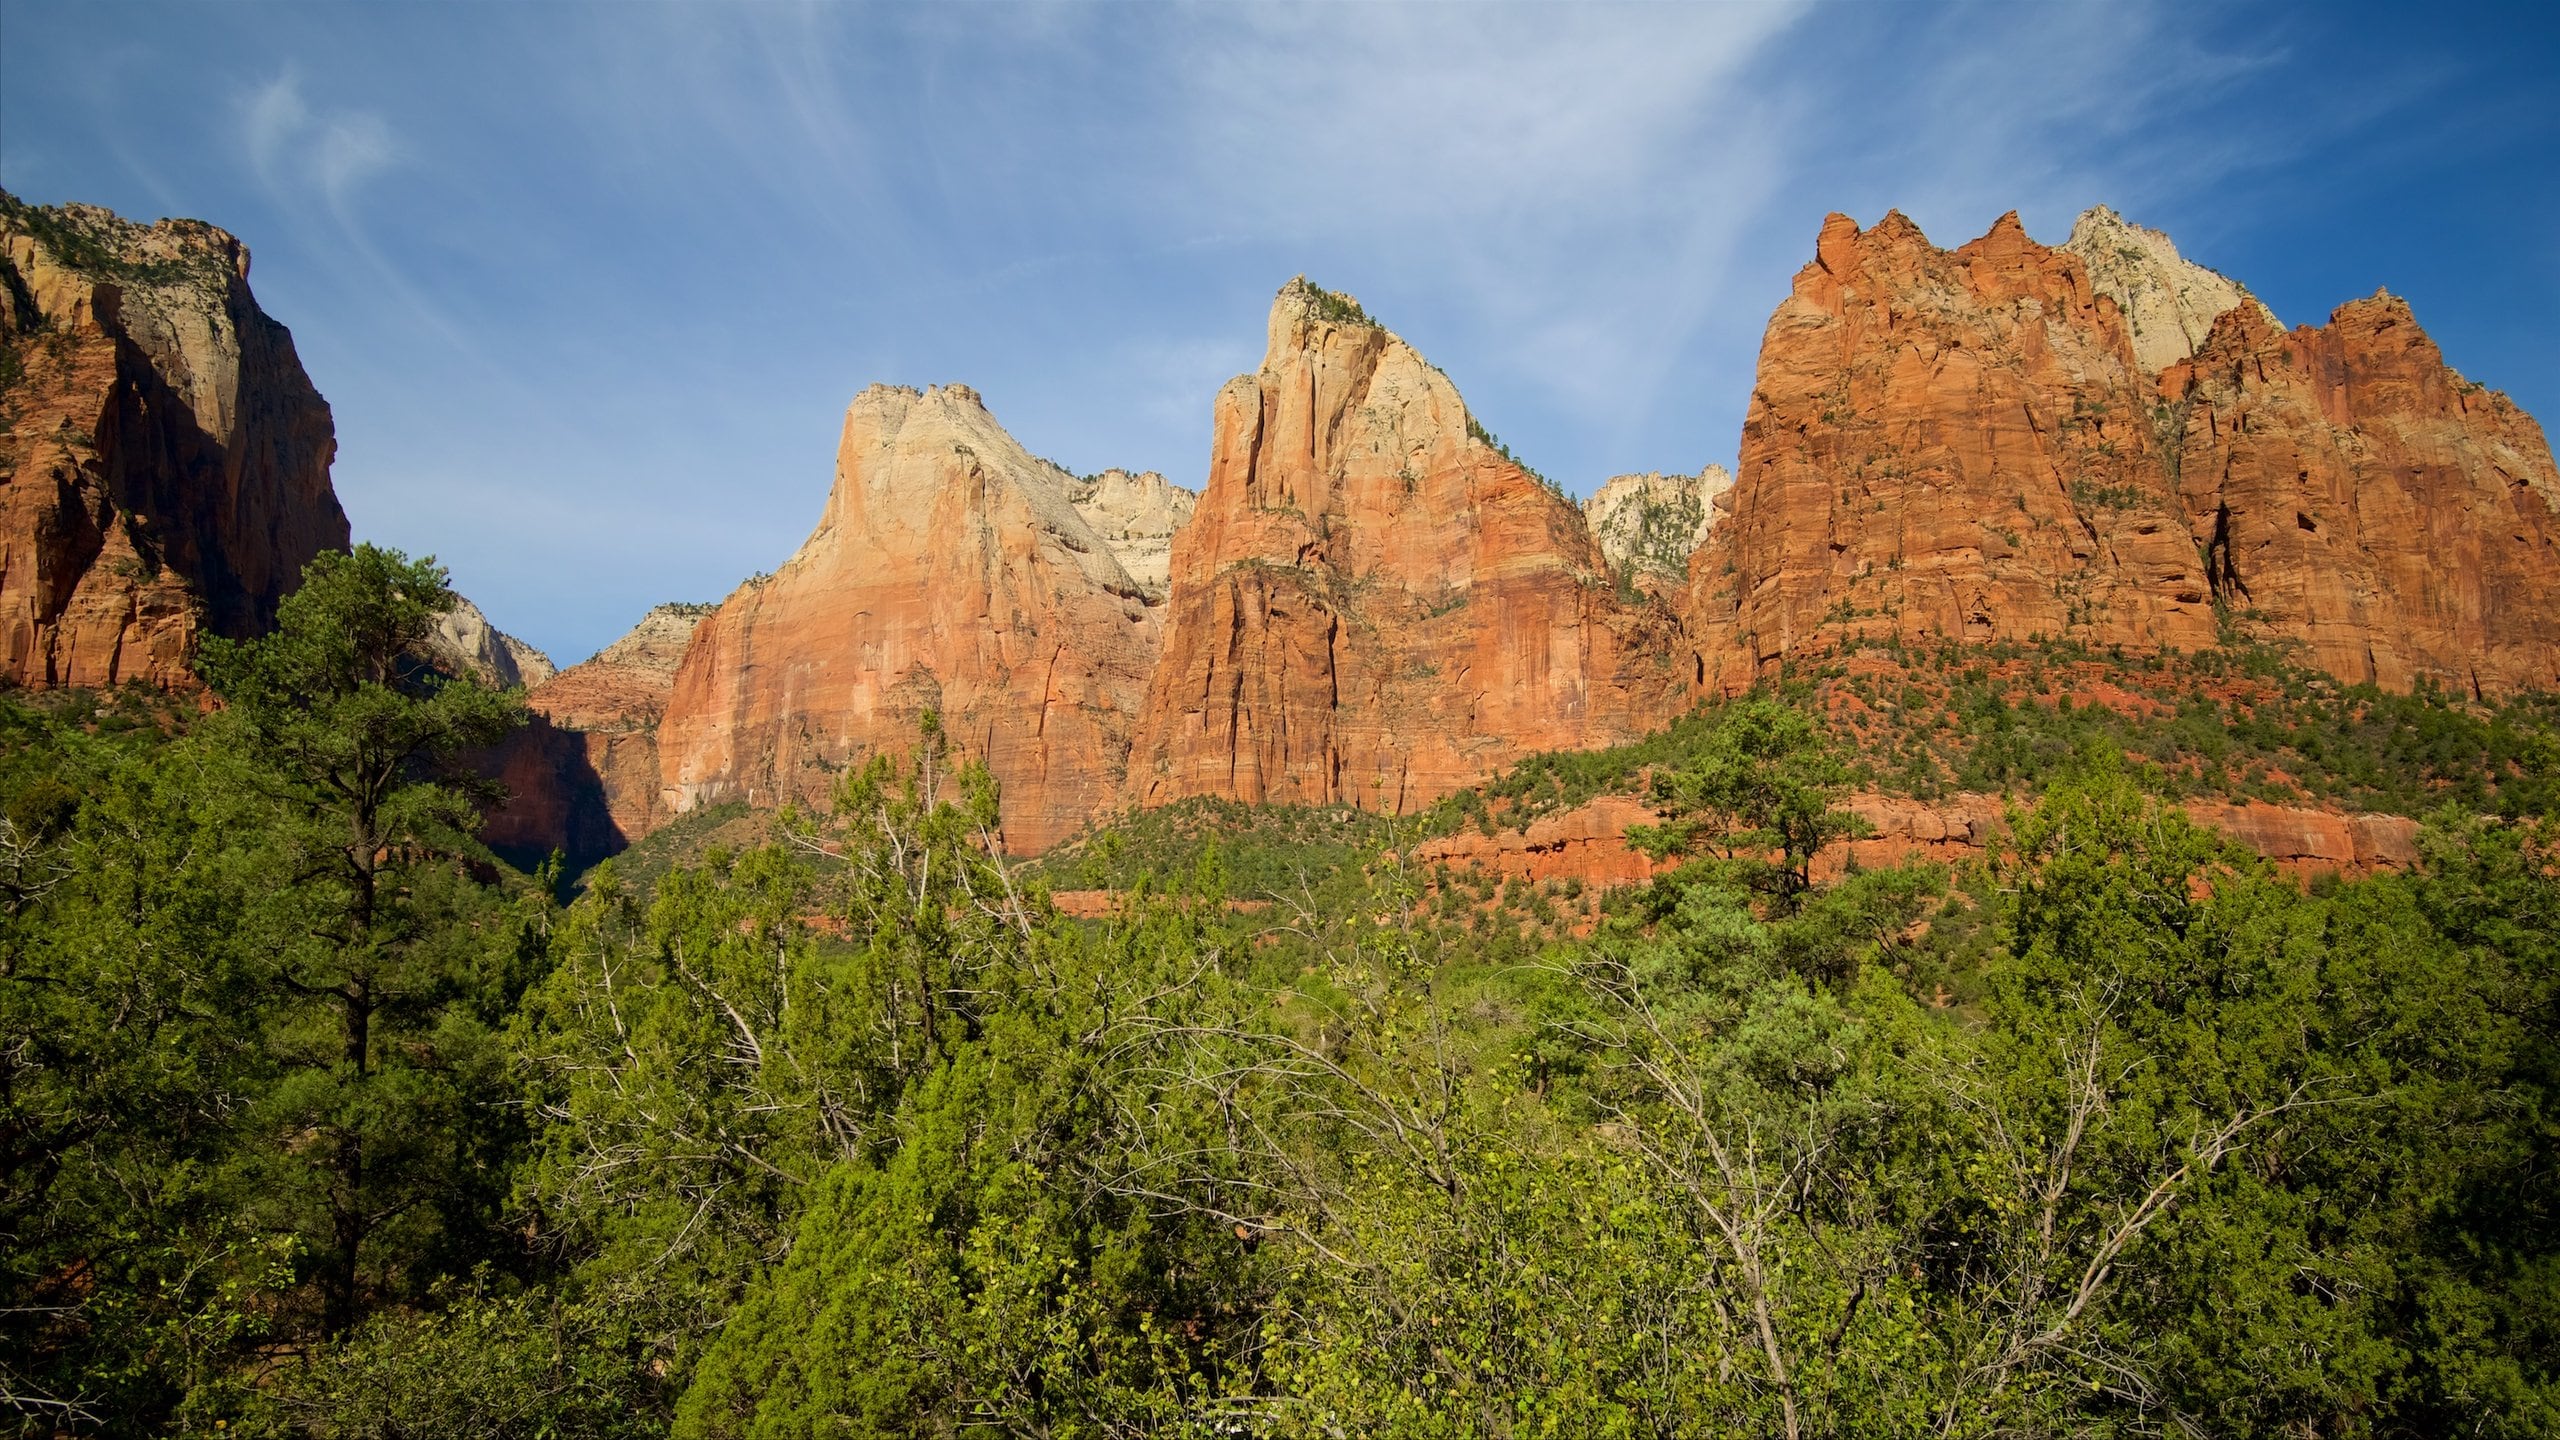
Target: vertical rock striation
<point>1970,444</point>
<point>164,461</point>
<point>1373,605</point>
<point>2353,494</point>
<point>1945,443</point>
<point>951,573</point>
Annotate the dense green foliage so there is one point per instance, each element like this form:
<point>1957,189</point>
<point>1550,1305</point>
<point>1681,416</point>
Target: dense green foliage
<point>317,1122</point>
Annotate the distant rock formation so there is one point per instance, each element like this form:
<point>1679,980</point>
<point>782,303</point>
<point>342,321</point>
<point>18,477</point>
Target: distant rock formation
<point>1136,515</point>
<point>164,460</point>
<point>1649,525</point>
<point>464,639</point>
<point>1373,605</point>
<point>583,776</point>
<point>950,573</point>
<point>1966,444</point>
<point>2169,303</point>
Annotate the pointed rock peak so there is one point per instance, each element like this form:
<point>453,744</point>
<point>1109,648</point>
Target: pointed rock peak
<point>2006,240</point>
<point>1303,297</point>
<point>913,463</point>
<point>1899,229</point>
<point>465,642</point>
<point>2102,221</point>
<point>1836,248</point>
<point>2170,303</point>
<point>2378,311</point>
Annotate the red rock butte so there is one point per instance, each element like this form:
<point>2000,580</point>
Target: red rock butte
<point>1964,443</point>
<point>1371,603</point>
<point>1374,606</point>
<point>950,573</point>
<point>164,471</point>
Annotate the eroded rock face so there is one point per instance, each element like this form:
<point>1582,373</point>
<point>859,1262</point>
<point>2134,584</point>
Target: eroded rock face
<point>2169,302</point>
<point>164,470</point>
<point>464,639</point>
<point>1136,515</point>
<point>1372,605</point>
<point>1965,443</point>
<point>1953,443</point>
<point>583,776</point>
<point>2355,495</point>
<point>951,573</point>
<point>1649,525</point>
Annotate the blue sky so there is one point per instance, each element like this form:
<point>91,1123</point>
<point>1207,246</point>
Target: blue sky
<point>588,286</point>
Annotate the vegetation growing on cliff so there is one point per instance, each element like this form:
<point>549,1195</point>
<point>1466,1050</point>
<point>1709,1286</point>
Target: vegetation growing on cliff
<point>851,1130</point>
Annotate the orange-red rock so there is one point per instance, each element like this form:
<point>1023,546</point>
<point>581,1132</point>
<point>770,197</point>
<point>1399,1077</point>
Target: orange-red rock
<point>2354,494</point>
<point>950,573</point>
<point>164,468</point>
<point>2308,840</point>
<point>1965,443</point>
<point>1586,843</point>
<point>1950,443</point>
<point>1374,606</point>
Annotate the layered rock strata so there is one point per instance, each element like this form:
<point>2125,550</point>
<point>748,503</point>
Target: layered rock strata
<point>164,460</point>
<point>952,574</point>
<point>1967,444</point>
<point>1373,605</point>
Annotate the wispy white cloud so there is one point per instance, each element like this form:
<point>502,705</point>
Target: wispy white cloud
<point>297,151</point>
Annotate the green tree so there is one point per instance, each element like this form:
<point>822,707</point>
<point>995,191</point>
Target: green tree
<point>1761,782</point>
<point>124,1053</point>
<point>387,970</point>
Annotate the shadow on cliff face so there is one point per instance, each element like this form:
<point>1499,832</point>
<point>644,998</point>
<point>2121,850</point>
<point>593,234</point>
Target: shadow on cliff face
<point>555,801</point>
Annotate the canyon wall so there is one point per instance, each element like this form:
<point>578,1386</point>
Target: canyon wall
<point>952,573</point>
<point>164,466</point>
<point>1372,605</point>
<point>2354,496</point>
<point>1968,444</point>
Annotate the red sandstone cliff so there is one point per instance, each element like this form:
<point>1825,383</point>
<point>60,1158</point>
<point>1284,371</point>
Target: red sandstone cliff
<point>2354,494</point>
<point>1965,443</point>
<point>164,460</point>
<point>1945,443</point>
<point>1372,605</point>
<point>952,573</point>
